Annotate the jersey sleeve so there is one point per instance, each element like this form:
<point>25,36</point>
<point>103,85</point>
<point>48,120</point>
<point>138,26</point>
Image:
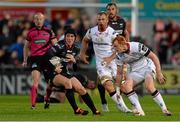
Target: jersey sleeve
<point>140,48</point>
<point>28,38</point>
<point>54,50</point>
<point>88,34</point>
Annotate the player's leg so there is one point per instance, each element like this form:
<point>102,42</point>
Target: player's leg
<point>114,73</point>
<point>102,94</point>
<point>35,79</point>
<point>61,80</point>
<point>132,96</point>
<point>149,84</point>
<point>47,96</point>
<point>84,95</point>
<point>108,85</point>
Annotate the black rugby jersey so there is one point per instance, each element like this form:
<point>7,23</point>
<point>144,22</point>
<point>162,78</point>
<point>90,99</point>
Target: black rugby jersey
<point>59,50</point>
<point>118,25</point>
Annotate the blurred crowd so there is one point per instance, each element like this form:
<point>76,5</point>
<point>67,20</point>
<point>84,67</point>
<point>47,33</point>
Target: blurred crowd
<point>13,34</point>
<point>167,41</point>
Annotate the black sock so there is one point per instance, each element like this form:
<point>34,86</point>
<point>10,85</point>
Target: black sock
<point>71,99</point>
<point>87,99</point>
<point>112,93</point>
<point>155,93</point>
<point>101,90</point>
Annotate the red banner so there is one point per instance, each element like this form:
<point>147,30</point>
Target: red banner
<point>15,12</point>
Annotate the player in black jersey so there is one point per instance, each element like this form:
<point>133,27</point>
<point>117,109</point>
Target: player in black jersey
<point>64,55</point>
<point>115,21</point>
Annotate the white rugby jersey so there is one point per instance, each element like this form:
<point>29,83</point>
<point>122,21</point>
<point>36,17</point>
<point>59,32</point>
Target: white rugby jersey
<point>102,42</point>
<point>136,56</point>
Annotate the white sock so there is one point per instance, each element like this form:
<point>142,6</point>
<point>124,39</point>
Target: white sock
<point>119,100</point>
<point>134,100</point>
<point>159,100</point>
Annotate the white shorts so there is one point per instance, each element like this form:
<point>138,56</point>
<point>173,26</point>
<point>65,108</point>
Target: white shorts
<point>138,75</point>
<point>108,71</point>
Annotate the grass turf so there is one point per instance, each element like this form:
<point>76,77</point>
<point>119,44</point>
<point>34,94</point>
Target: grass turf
<point>17,108</point>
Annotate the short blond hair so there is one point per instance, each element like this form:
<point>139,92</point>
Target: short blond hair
<point>121,39</point>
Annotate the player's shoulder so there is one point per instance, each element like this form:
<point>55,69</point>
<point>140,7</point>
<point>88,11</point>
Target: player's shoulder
<point>62,42</point>
<point>133,44</point>
<point>95,28</point>
<point>120,18</point>
<point>46,28</point>
<point>110,28</point>
<point>92,30</point>
<point>49,30</point>
<point>32,29</point>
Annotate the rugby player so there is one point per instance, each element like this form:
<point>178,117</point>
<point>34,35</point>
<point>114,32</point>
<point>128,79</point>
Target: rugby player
<point>144,66</point>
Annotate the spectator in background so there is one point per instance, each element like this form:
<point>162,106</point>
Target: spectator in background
<point>174,36</point>
<point>176,59</point>
<point>3,56</point>
<point>56,23</point>
<point>161,40</point>
<point>18,47</point>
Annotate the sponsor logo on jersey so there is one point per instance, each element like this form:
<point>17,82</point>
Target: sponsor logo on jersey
<point>40,41</point>
<point>101,43</point>
<point>144,48</point>
<point>114,23</point>
<point>45,34</point>
<point>34,65</point>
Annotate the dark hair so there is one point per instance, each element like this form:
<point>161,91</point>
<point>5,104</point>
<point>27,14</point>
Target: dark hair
<point>111,4</point>
<point>71,31</point>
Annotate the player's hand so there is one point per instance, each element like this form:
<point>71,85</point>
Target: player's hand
<point>24,64</point>
<point>70,57</point>
<point>58,68</point>
<point>161,78</point>
<point>84,57</point>
<point>107,60</point>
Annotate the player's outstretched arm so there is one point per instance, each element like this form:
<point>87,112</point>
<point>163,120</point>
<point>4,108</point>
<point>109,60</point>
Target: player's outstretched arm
<point>155,59</point>
<point>108,60</point>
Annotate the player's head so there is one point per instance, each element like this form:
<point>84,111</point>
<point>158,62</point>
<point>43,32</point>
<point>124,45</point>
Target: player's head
<point>120,44</point>
<point>102,19</point>
<point>39,19</point>
<point>111,9</point>
<point>70,37</point>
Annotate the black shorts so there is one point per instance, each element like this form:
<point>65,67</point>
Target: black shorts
<point>36,63</point>
<point>82,79</point>
<point>49,75</point>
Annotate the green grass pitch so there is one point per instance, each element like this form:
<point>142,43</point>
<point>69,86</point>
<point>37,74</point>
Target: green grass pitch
<point>17,108</point>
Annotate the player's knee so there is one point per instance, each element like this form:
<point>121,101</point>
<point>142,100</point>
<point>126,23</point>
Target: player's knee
<point>68,84</point>
<point>81,90</point>
<point>150,89</point>
<point>105,79</point>
<point>109,86</point>
<point>35,83</point>
<point>123,88</point>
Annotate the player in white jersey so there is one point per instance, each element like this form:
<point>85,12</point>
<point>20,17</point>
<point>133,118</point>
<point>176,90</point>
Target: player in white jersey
<point>144,65</point>
<point>101,36</point>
